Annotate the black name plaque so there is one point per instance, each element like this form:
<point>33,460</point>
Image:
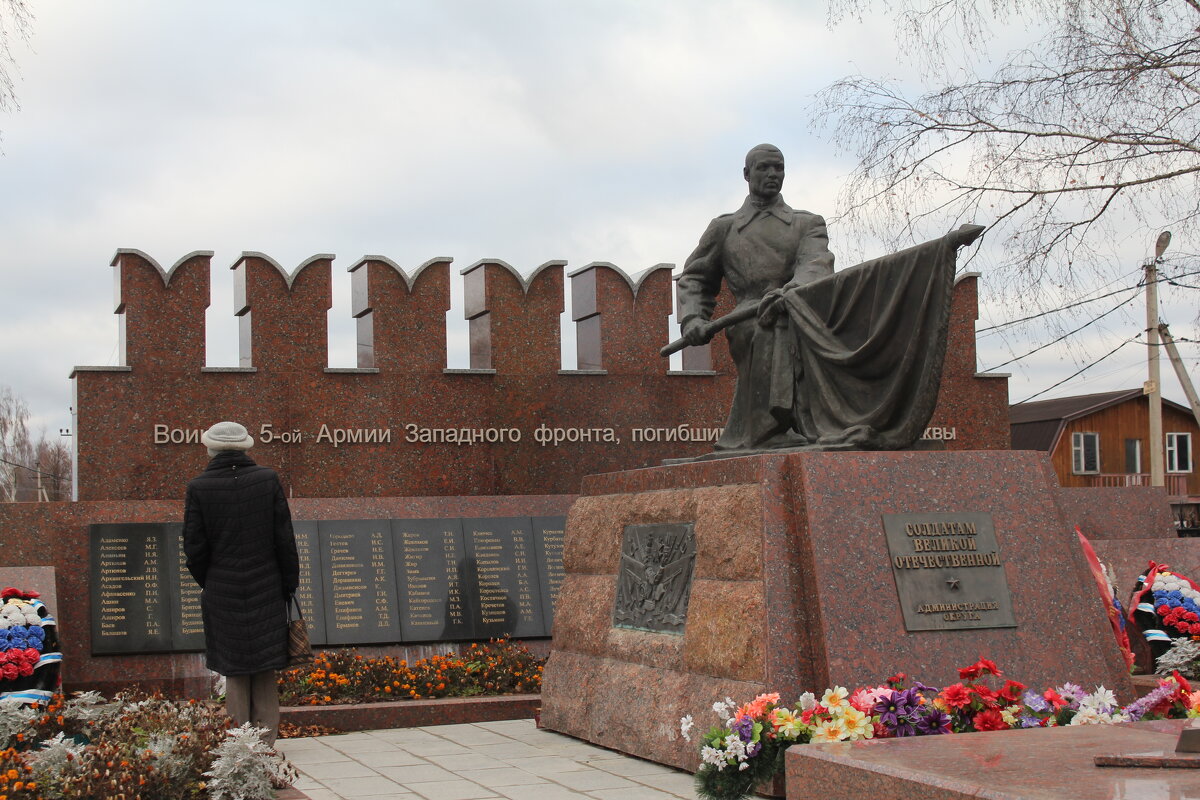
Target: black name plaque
<point>949,572</point>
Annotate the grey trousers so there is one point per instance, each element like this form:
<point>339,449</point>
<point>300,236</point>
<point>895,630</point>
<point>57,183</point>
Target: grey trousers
<point>254,699</point>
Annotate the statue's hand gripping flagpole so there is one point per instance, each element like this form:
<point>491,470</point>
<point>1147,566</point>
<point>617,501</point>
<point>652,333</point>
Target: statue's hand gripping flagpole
<point>713,327</point>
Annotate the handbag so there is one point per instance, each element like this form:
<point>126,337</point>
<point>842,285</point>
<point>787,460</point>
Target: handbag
<point>299,648</point>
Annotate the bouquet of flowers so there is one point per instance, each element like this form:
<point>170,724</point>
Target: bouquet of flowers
<point>29,657</point>
<point>1166,606</point>
<point>746,748</point>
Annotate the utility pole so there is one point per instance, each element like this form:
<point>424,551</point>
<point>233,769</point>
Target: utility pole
<point>1153,386</point>
<point>1181,372</point>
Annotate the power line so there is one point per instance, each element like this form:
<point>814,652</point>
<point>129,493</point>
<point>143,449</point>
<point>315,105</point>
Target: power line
<point>1056,310</point>
<point>31,469</point>
<point>1092,321</point>
<point>1138,285</point>
<point>1076,374</point>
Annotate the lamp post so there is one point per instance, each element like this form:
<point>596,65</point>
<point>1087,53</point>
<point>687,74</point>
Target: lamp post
<point>1153,386</point>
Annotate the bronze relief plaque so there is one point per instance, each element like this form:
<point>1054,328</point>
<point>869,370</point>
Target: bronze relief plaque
<point>654,579</point>
<point>949,571</point>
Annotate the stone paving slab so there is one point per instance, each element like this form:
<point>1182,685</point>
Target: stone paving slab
<point>501,760</point>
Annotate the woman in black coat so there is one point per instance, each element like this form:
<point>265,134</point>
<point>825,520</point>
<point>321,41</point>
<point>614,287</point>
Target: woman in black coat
<point>237,534</point>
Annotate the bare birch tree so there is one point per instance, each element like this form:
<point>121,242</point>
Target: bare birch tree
<point>16,449</point>
<point>1087,135</point>
<point>27,463</point>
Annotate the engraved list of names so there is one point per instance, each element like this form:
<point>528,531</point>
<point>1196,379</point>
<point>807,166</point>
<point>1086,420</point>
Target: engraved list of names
<point>127,571</point>
<point>359,583</point>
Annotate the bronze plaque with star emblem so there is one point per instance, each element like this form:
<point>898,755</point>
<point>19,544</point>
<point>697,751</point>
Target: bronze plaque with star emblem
<point>655,577</point>
<point>949,571</point>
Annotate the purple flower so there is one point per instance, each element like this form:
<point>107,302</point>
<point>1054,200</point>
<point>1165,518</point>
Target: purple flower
<point>744,728</point>
<point>1071,693</point>
<point>1138,708</point>
<point>753,749</point>
<point>889,709</point>
<point>1026,721</point>
<point>933,721</point>
<point>1035,702</point>
<point>910,699</point>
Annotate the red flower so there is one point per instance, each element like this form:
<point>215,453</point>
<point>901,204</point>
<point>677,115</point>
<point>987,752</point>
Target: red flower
<point>1184,686</point>
<point>9,672</point>
<point>1011,693</point>
<point>1054,698</point>
<point>986,695</point>
<point>1194,629</point>
<point>981,667</point>
<point>897,680</point>
<point>1191,616</point>
<point>1163,610</point>
<point>989,720</point>
<point>955,696</point>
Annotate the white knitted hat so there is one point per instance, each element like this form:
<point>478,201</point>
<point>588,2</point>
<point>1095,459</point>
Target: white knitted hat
<point>226,436</point>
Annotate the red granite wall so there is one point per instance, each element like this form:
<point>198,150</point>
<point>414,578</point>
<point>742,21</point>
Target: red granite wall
<point>396,424</point>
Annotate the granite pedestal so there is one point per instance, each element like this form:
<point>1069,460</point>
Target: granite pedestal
<point>1038,764</point>
<point>794,589</point>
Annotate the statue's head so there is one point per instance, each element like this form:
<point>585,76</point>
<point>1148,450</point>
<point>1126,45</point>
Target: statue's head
<point>764,171</point>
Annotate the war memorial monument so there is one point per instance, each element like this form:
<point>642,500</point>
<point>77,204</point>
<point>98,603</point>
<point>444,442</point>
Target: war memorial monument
<point>823,491</point>
<point>820,541</point>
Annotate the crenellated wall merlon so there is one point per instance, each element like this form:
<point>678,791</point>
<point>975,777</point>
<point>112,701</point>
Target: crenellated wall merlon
<point>513,319</point>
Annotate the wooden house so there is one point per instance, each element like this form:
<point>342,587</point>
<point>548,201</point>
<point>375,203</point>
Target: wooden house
<point>1102,440</point>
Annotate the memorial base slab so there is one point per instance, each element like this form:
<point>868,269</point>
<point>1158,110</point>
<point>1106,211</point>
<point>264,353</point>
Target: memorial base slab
<point>1035,764</point>
<point>794,588</point>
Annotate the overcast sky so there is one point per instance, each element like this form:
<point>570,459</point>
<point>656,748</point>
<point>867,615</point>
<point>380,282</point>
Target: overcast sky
<point>525,131</point>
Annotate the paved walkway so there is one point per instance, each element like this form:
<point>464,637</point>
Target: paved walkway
<point>510,759</point>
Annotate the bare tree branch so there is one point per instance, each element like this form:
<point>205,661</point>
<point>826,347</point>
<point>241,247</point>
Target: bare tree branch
<point>1059,148</point>
<point>15,23</point>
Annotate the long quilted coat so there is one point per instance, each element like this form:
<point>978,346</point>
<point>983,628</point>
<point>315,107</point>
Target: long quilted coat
<point>237,534</point>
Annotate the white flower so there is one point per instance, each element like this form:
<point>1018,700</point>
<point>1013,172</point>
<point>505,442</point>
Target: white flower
<point>744,765</point>
<point>807,701</point>
<point>835,698</point>
<point>685,727</point>
<point>721,709</point>
<point>1102,700</point>
<point>711,755</point>
<point>735,747</point>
